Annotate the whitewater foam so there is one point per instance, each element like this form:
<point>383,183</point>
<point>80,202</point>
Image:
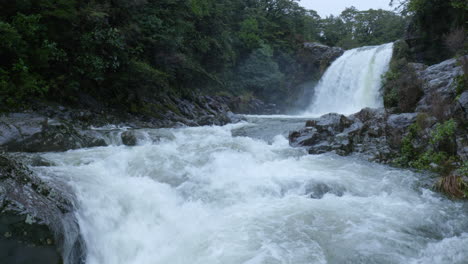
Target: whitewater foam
<point>204,196</point>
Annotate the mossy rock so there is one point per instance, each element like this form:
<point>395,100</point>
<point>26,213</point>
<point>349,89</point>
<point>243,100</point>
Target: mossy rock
<point>37,220</point>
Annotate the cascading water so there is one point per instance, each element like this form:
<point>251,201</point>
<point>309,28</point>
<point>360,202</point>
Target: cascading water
<point>204,196</point>
<point>352,82</point>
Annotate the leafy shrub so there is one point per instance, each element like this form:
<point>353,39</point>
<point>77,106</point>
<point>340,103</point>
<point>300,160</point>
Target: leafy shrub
<point>434,153</point>
<point>261,75</point>
<point>443,131</point>
<point>401,86</point>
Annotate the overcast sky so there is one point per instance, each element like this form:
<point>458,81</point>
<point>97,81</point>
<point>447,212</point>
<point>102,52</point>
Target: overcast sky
<point>327,7</point>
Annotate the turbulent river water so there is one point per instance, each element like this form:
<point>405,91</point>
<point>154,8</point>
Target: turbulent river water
<point>240,194</point>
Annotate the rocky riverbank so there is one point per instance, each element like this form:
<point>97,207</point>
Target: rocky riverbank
<point>432,137</point>
<point>58,128</point>
<point>37,220</point>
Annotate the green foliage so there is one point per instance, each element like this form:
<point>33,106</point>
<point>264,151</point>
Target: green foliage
<point>260,74</point>
<point>126,50</point>
<point>443,131</point>
<point>355,28</point>
<point>249,34</point>
<point>121,52</point>
<point>463,170</point>
<point>431,22</point>
<point>401,86</point>
<point>426,159</point>
<point>425,154</point>
<point>461,82</point>
<point>407,149</point>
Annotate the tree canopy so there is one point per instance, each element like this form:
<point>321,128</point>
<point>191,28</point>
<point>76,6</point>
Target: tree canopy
<point>121,51</point>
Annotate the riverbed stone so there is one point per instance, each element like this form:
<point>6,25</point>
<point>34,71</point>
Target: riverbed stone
<point>37,219</point>
<point>30,132</point>
<point>364,133</point>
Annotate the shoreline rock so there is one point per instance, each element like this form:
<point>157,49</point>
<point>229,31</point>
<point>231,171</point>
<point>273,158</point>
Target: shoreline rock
<point>37,219</point>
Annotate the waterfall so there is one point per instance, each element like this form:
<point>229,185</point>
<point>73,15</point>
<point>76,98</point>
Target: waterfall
<point>352,82</point>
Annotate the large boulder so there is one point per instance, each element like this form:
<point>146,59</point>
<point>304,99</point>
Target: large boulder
<point>323,55</point>
<point>364,132</point>
<point>28,132</point>
<point>439,85</point>
<point>396,126</point>
<point>37,219</point>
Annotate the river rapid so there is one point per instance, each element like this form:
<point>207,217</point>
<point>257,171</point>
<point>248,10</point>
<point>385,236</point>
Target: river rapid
<point>240,194</point>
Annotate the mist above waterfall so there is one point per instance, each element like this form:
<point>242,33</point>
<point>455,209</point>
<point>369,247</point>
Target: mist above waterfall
<point>352,82</point>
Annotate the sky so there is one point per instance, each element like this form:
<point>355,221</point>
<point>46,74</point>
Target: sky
<point>327,7</point>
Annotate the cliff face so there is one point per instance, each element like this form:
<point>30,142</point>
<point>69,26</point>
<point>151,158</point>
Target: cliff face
<point>312,61</point>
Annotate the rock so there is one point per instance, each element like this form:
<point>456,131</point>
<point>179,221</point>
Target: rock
<point>324,55</point>
<point>321,148</point>
<point>235,118</point>
<point>306,137</point>
<point>364,133</point>
<point>332,123</point>
<point>400,121</point>
<point>206,120</point>
<point>461,141</point>
<point>343,144</point>
<point>129,138</point>
<point>324,134</point>
<point>252,106</point>
<point>37,219</point>
<point>36,133</point>
<point>310,64</point>
<point>396,126</point>
<point>439,84</point>
<point>318,190</point>
<point>462,107</point>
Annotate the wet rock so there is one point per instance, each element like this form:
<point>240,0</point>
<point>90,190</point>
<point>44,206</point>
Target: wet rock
<point>325,134</point>
<point>463,106</point>
<point>332,123</point>
<point>234,118</point>
<point>364,133</point>
<point>252,106</point>
<point>36,133</point>
<point>325,55</point>
<point>396,127</point>
<point>206,120</point>
<point>342,144</point>
<point>439,84</point>
<point>400,121</point>
<point>306,137</point>
<point>129,138</point>
<point>321,148</point>
<point>318,190</point>
<point>37,219</point>
<point>310,64</point>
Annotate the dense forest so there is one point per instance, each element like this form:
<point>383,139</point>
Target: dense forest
<point>121,51</point>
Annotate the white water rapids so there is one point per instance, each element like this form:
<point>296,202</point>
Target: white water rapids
<point>231,195</point>
<point>239,194</point>
<point>352,82</point>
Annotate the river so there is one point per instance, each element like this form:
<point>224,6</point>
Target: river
<point>240,194</point>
